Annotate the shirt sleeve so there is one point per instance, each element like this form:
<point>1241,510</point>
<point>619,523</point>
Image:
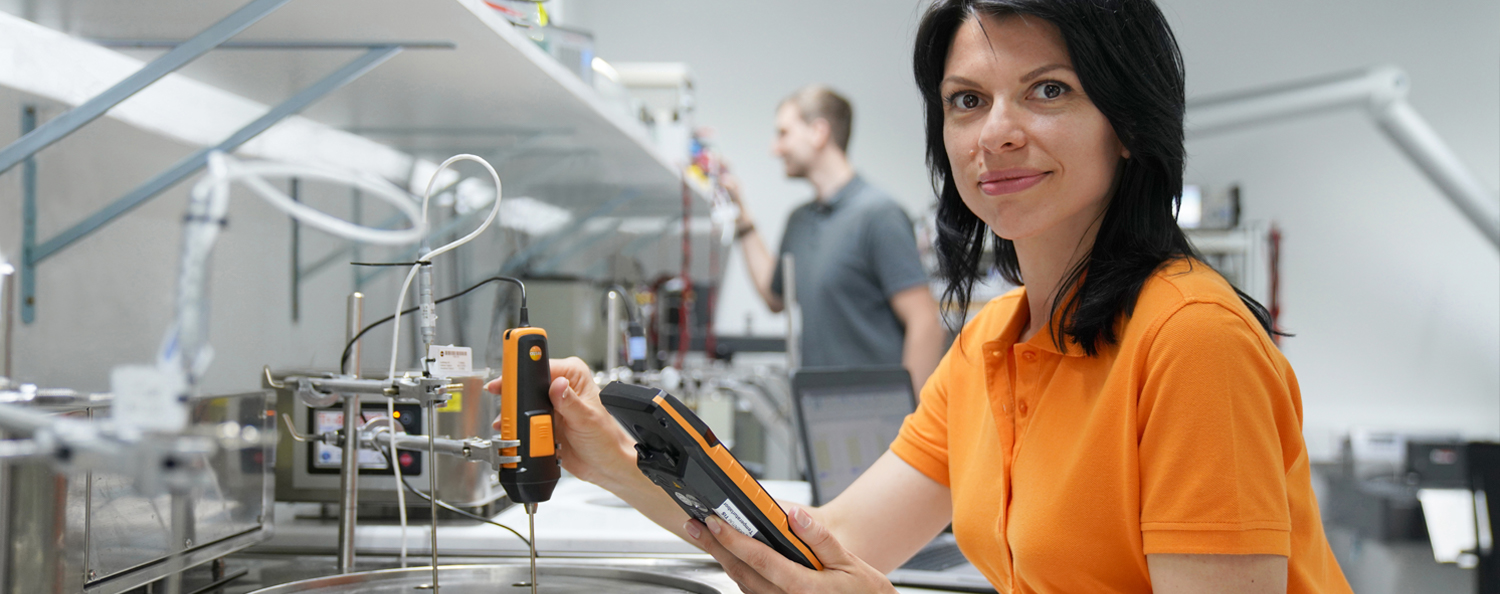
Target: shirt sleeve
<point>923,440</point>
<point>892,245</point>
<point>1218,431</point>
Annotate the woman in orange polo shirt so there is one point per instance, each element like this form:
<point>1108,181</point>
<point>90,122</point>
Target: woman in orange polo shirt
<point>1123,422</point>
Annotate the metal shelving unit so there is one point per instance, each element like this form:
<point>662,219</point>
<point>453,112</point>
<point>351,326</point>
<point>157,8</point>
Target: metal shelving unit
<point>491,91</point>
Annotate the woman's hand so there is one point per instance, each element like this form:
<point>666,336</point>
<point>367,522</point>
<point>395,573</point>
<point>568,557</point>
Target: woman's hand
<point>758,569</point>
<point>591,445</point>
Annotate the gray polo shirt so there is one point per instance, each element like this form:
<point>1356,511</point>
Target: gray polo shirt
<point>853,253</point>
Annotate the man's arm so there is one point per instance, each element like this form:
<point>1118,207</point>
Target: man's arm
<point>923,346</point>
<point>758,258</point>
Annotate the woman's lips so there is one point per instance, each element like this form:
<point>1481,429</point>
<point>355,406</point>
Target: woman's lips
<point>1010,181</point>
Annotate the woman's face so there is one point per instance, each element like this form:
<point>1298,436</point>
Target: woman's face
<point>1031,155</point>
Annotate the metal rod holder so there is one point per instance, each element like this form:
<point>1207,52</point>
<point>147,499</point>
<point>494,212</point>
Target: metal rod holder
<point>349,469</point>
<point>793,312</point>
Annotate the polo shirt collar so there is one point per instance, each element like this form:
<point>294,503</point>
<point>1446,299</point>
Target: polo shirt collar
<point>1042,341</point>
<point>838,198</point>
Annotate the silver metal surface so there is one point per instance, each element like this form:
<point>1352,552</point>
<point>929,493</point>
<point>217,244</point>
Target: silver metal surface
<point>793,313</point>
<point>432,483</point>
<point>180,55</point>
<point>349,471</point>
<point>493,579</point>
<point>110,535</point>
<point>612,332</point>
<point>7,317</point>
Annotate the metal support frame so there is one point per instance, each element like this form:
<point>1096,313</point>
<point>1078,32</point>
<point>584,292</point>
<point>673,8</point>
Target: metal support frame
<point>1381,92</point>
<point>35,254</point>
<point>28,221</point>
<point>180,55</point>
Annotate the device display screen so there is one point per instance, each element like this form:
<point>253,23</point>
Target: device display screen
<point>848,429</point>
<point>326,459</point>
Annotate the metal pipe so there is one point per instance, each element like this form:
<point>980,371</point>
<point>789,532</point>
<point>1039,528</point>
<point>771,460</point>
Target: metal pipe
<point>349,469</point>
<point>1404,126</point>
<point>612,332</point>
<point>1381,92</point>
<point>793,313</point>
<point>7,318</point>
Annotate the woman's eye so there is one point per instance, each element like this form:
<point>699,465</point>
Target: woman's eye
<point>964,100</point>
<point>1051,90</point>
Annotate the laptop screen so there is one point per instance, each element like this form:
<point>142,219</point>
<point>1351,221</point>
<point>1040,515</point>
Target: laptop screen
<point>849,419</point>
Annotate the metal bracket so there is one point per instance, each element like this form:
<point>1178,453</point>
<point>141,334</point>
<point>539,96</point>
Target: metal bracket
<point>33,253</point>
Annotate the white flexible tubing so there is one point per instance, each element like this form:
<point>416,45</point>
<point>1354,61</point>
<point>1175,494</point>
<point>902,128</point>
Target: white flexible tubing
<point>390,415</point>
<point>426,199</point>
<point>251,175</point>
<point>401,304</point>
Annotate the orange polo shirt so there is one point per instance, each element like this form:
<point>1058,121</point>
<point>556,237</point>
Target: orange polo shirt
<point>1067,470</point>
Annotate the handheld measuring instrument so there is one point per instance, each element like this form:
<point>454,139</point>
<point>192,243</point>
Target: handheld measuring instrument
<point>678,452</point>
<point>526,416</point>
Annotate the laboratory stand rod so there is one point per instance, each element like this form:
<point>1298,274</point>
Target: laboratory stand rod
<point>793,313</point>
<point>349,470</point>
<point>612,332</point>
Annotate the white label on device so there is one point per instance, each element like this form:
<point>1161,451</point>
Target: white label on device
<point>451,361</point>
<point>731,514</point>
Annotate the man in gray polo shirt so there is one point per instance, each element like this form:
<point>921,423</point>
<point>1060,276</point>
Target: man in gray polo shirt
<point>860,283</point>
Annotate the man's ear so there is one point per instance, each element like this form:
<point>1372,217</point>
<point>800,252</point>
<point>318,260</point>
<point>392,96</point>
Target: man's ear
<point>822,132</point>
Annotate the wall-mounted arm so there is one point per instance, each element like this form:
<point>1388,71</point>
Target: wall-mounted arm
<point>1382,93</point>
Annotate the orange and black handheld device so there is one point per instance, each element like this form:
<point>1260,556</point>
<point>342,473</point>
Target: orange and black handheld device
<point>526,415</point>
<point>678,452</point>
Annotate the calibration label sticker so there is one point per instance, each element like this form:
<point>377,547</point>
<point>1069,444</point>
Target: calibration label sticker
<point>450,361</point>
<point>731,515</point>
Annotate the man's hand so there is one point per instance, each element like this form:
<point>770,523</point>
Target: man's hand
<point>758,569</point>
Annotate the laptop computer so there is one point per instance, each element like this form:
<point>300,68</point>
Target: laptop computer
<point>848,418</point>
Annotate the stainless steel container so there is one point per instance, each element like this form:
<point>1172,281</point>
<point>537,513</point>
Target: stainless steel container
<point>96,533</point>
<point>461,483</point>
<point>554,578</point>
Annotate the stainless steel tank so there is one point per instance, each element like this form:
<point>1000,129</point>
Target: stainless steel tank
<point>553,578</point>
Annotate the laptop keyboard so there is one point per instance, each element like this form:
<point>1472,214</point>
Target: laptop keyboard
<point>936,558</point>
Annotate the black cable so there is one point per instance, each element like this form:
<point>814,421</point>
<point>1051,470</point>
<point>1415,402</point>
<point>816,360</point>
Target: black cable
<point>349,346</point>
<point>445,505</point>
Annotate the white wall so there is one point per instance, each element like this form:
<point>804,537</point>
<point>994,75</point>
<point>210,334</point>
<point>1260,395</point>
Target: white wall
<point>1394,298</point>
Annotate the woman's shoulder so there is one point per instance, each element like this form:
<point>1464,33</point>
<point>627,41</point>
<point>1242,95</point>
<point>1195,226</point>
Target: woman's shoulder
<point>1182,283</point>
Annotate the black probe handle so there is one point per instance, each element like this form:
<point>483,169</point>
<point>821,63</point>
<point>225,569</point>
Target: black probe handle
<point>526,378</point>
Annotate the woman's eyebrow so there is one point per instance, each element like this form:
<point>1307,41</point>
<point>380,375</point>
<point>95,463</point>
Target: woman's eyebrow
<point>958,80</point>
<point>1043,70</point>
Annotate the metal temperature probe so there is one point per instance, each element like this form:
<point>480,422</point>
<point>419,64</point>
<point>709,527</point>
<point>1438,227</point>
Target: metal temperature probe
<point>526,416</point>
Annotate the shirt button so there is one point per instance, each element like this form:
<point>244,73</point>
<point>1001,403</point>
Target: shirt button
<point>1029,356</point>
<point>1023,407</point>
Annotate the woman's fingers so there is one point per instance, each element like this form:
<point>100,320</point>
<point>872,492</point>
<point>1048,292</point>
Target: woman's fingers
<point>817,537</point>
<point>712,537</point>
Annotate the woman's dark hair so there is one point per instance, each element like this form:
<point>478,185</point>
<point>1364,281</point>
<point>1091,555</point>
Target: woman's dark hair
<point>1129,65</point>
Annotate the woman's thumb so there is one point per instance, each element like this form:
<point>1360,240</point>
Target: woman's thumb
<point>817,537</point>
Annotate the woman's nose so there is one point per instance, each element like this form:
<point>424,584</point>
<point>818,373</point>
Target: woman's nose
<point>1003,130</point>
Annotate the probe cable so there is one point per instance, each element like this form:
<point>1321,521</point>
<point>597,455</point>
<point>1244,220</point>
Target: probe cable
<point>448,506</point>
<point>349,346</point>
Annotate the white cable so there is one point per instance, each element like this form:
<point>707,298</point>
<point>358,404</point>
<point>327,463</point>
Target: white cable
<point>390,413</point>
<point>401,304</point>
<point>426,199</point>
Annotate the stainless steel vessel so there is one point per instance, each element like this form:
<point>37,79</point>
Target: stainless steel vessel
<point>553,577</point>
